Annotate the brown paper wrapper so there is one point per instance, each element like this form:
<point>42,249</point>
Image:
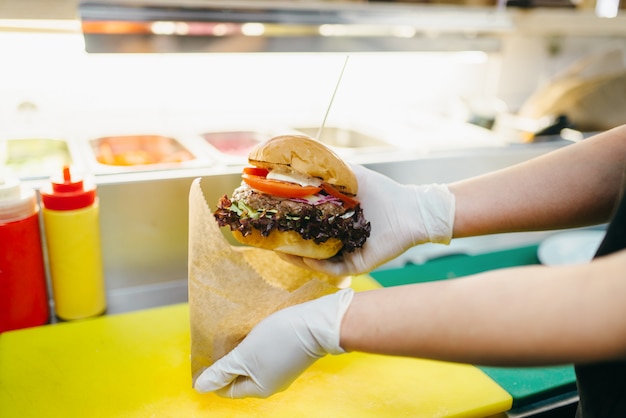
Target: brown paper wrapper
<point>232,288</point>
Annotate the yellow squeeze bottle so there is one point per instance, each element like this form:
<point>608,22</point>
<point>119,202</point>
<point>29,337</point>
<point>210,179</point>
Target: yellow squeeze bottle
<point>72,232</point>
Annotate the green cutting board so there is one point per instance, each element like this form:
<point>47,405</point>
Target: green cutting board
<point>457,265</point>
<point>526,385</point>
<point>531,385</point>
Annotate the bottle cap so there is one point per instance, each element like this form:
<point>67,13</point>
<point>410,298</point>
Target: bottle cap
<point>68,193</point>
<point>16,202</point>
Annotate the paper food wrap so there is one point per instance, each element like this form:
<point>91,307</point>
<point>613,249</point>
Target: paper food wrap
<point>232,288</point>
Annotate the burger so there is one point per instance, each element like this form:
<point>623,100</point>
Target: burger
<point>297,197</point>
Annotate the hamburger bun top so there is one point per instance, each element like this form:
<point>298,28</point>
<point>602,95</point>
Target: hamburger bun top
<point>305,155</point>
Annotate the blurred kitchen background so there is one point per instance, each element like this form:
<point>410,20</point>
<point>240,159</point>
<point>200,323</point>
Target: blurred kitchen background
<point>145,96</point>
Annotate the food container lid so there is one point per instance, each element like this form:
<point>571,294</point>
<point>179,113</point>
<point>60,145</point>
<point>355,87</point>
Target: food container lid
<point>68,193</point>
<point>16,202</point>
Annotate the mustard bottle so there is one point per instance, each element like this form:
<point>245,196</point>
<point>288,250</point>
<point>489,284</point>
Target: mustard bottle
<point>71,221</point>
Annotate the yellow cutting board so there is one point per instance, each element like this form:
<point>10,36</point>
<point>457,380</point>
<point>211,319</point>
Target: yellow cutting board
<point>137,365</point>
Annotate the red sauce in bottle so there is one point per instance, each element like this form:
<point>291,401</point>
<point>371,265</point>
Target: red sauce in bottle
<point>23,291</point>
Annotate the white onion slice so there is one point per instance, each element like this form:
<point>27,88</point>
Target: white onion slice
<point>293,177</point>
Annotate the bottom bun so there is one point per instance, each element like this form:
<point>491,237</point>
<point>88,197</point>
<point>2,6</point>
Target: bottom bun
<point>290,242</point>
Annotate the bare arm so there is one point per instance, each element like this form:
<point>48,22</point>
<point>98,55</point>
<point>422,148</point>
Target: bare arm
<point>533,315</point>
<point>573,186</point>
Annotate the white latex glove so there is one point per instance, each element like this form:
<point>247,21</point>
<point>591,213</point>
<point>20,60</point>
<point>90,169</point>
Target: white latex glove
<point>279,349</point>
<point>401,217</point>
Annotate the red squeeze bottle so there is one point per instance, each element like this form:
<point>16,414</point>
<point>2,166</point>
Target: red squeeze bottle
<point>23,292</point>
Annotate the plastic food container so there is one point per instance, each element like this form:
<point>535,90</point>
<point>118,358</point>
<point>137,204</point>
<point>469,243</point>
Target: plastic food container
<point>36,157</point>
<point>139,150</point>
<point>234,146</point>
<point>344,137</point>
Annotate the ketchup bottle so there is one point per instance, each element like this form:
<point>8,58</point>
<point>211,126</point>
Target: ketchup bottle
<point>71,222</point>
<point>23,291</point>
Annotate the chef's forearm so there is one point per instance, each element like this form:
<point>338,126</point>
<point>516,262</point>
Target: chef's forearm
<point>574,186</point>
<point>523,316</point>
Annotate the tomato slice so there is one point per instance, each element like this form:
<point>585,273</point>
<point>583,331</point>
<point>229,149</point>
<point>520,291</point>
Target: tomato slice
<point>348,201</point>
<point>256,171</point>
<point>277,187</point>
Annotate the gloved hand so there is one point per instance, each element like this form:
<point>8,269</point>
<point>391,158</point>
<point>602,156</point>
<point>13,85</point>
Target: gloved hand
<point>401,217</point>
<point>279,349</point>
